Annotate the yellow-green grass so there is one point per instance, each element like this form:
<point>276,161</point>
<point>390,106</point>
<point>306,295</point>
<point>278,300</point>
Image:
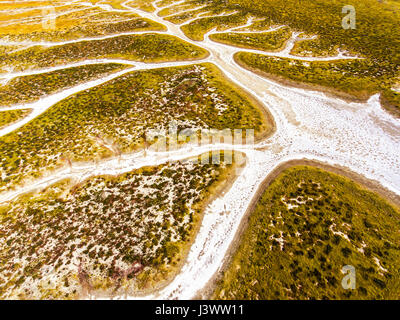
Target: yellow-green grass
<point>394,3</point>
<point>314,48</point>
<point>259,24</point>
<point>391,100</point>
<point>268,41</point>
<point>30,88</point>
<point>25,4</point>
<point>120,112</point>
<point>196,29</point>
<point>182,17</point>
<point>208,8</point>
<point>30,13</point>
<point>376,35</point>
<point>355,78</point>
<point>305,227</point>
<point>177,9</point>
<point>145,48</point>
<point>9,49</point>
<point>375,39</point>
<point>164,3</point>
<point>116,4</point>
<point>142,5</point>
<point>10,116</point>
<point>84,23</point>
<point>16,22</point>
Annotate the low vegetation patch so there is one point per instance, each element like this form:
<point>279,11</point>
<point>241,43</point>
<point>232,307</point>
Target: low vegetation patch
<point>72,22</point>
<point>8,117</point>
<point>378,72</point>
<point>146,48</point>
<point>306,226</point>
<point>356,78</point>
<point>314,48</point>
<point>196,29</point>
<point>371,37</point>
<point>30,88</point>
<point>268,41</point>
<point>114,117</point>
<point>391,100</point>
<point>141,4</point>
<point>107,235</point>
